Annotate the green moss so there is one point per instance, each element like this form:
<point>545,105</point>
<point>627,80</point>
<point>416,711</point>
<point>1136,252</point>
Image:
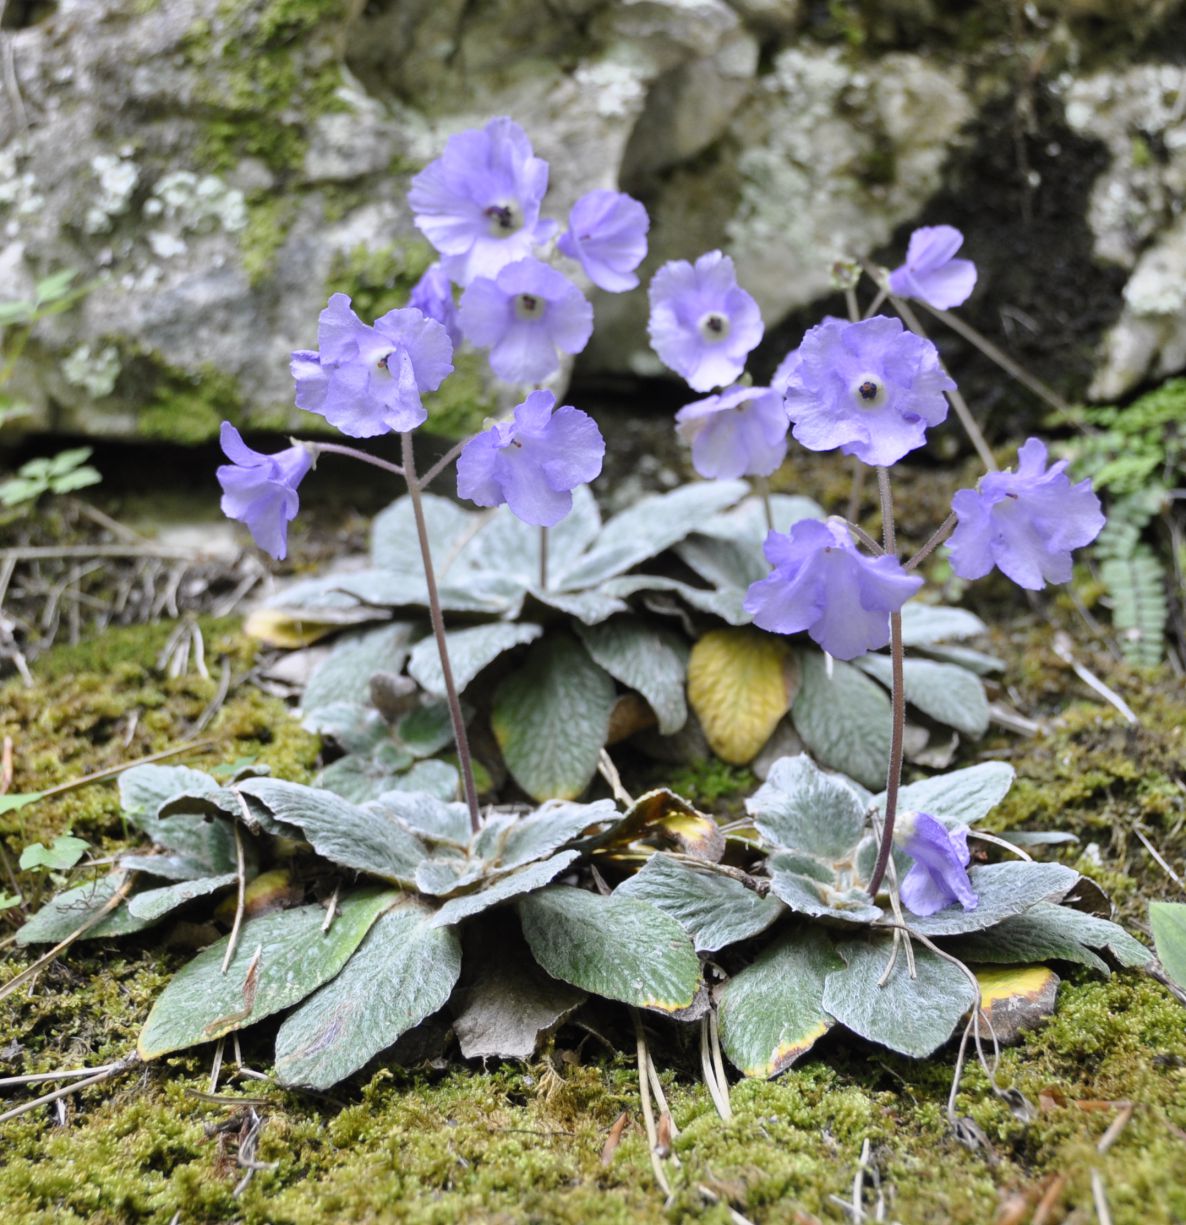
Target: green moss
<point>267,70</point>
<point>464,400</point>
<point>187,407</point>
<point>268,220</point>
<point>379,279</point>
<point>711,783</point>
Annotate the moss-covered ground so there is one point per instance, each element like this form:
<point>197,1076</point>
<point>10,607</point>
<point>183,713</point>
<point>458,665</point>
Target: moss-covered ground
<point>446,1142</point>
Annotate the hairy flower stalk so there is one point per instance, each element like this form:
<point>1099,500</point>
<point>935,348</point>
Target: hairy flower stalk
<point>897,697</point>
<point>438,629</point>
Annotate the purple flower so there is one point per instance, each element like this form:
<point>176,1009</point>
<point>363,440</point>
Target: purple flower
<point>930,274</point>
<point>368,380</point>
<point>939,873</point>
<point>526,316</point>
<point>533,461</point>
<point>607,232</point>
<point>260,490</point>
<point>741,432</point>
<point>869,388</point>
<point>823,585</point>
<point>432,295</point>
<point>478,203</point>
<point>702,325</point>
<point>1025,523</point>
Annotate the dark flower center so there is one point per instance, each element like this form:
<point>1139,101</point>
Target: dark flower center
<point>502,220</point>
<point>869,391</point>
<point>529,306</point>
<point>713,326</point>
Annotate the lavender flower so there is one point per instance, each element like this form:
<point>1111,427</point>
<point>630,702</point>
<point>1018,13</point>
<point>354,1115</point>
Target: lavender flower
<point>823,585</point>
<point>260,490</point>
<point>938,877</point>
<point>432,295</point>
<point>607,233</point>
<point>1025,523</point>
<point>526,316</point>
<point>533,461</point>
<point>869,388</point>
<point>930,274</point>
<point>741,432</point>
<point>478,203</point>
<point>702,325</point>
<point>368,380</point>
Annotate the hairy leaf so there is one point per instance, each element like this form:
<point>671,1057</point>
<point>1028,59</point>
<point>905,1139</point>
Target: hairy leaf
<point>844,719</point>
<point>403,971</point>
<point>470,651</point>
<point>617,947</point>
<point>551,718</point>
<point>345,673</point>
<point>802,808</point>
<point>948,694</point>
<point>154,904</point>
<point>67,911</point>
<point>1003,889</point>
<point>772,1011</point>
<point>650,659</point>
<point>961,797</point>
<point>501,888</point>
<point>1168,921</point>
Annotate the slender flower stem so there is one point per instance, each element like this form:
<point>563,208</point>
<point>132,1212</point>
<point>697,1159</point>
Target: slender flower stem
<point>352,453</point>
<point>762,488</point>
<point>543,559</point>
<point>1002,359</point>
<point>937,538</point>
<point>897,698</point>
<point>449,456</point>
<point>864,537</point>
<point>850,300</point>
<point>438,629</point>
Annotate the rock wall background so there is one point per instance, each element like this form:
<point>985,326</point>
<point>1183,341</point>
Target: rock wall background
<point>217,167</point>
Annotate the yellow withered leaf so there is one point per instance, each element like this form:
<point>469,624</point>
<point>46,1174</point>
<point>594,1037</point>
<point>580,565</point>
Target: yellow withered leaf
<point>275,627</point>
<point>1016,997</point>
<point>741,682</point>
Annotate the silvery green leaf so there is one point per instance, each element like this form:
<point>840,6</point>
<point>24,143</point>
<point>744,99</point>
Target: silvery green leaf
<point>1003,889</point>
<point>167,867</point>
<point>509,546</point>
<point>1168,921</point>
<point>714,909</point>
<point>442,875</point>
<point>509,841</point>
<point>961,797</point>
<point>154,904</point>
<point>772,1012</point>
<point>143,789</point>
<point>395,545</point>
<point>280,958</point>
<point>616,947</point>
<point>925,624</point>
<point>724,602</point>
<point>436,778</point>
<point>404,970</point>
<point>425,729</point>
<point>359,777</point>
<point>816,898</point>
<point>522,880</point>
<point>844,719</point>
<point>1039,934</point>
<point>355,727</point>
<point>1093,931</point>
<point>551,717</point>
<point>746,522</point>
<point>650,659</point>
<point>345,673</point>
<point>649,526</point>
<point>347,834</point>
<point>426,815</point>
<point>470,651</point>
<point>589,607</point>
<point>948,694</point>
<point>802,808</point>
<point>66,912</point>
<point>913,1016</point>
<point>965,657</point>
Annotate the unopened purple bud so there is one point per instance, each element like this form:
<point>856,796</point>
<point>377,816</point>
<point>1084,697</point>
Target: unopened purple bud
<point>939,876</point>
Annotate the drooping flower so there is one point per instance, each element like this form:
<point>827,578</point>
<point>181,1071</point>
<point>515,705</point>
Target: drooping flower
<point>526,316</point>
<point>823,585</point>
<point>1025,523</point>
<point>368,380</point>
<point>532,462</point>
<point>939,876</point>
<point>869,388</point>
<point>930,272</point>
<point>741,432</point>
<point>432,295</point>
<point>607,233</point>
<point>478,203</point>
<point>261,490</point>
<point>702,324</point>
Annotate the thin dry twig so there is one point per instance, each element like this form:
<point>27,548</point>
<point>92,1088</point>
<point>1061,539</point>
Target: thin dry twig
<point>104,1073</point>
<point>1160,861</point>
<point>241,871</point>
<point>1062,648</point>
<point>648,1113</point>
